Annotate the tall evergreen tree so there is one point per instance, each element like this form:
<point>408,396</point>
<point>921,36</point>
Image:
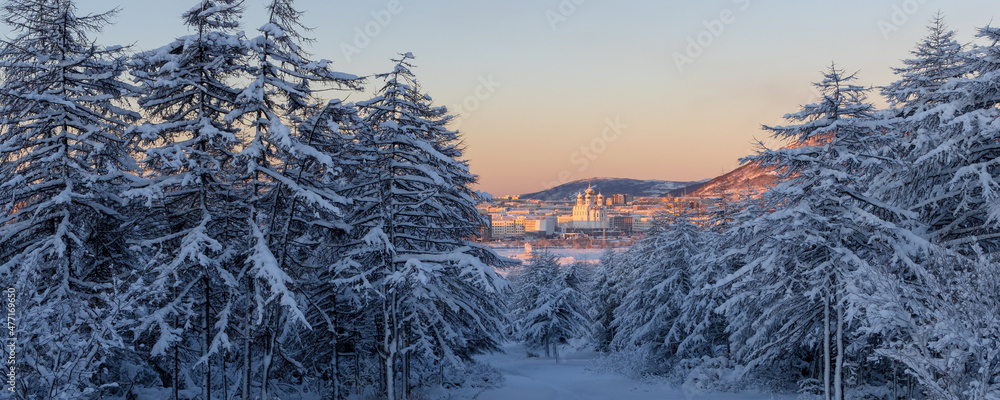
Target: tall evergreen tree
<point>924,151</point>
<point>923,80</point>
<point>607,288</point>
<point>548,304</point>
<point>436,291</point>
<point>796,296</point>
<point>199,224</point>
<point>947,175</point>
<point>309,232</point>
<point>703,327</point>
<point>651,311</point>
<point>63,164</point>
<point>290,173</point>
<point>925,325</point>
<point>962,211</point>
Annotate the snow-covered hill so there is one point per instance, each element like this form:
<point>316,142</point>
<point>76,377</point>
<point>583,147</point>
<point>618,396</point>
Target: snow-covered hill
<point>747,179</point>
<point>610,186</point>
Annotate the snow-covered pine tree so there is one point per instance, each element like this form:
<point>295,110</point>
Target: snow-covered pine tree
<point>649,315</point>
<point>962,214</point>
<point>548,305</point>
<point>924,151</point>
<point>606,289</point>
<point>199,216</point>
<point>948,177</point>
<point>290,173</point>
<point>63,164</point>
<point>325,155</point>
<point>925,326</point>
<point>796,297</point>
<point>923,80</point>
<point>704,328</point>
<point>699,328</point>
<point>436,292</point>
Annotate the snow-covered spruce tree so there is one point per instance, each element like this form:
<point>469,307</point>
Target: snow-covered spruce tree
<point>923,80</point>
<point>290,173</point>
<point>199,216</point>
<point>796,298</point>
<point>929,328</point>
<point>547,304</point>
<point>649,315</point>
<point>705,349</point>
<point>948,179</point>
<point>700,327</point>
<point>922,116</point>
<point>314,233</point>
<point>606,293</point>
<point>63,164</point>
<point>953,183</point>
<point>436,294</point>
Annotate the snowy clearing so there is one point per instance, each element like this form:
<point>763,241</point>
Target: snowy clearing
<point>573,379</point>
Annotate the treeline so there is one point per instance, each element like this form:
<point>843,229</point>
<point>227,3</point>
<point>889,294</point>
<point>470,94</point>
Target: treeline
<point>191,222</point>
<point>870,271</point>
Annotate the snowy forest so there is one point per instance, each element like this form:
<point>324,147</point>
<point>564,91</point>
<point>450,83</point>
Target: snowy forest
<point>191,222</point>
<point>200,221</point>
<point>869,272</point>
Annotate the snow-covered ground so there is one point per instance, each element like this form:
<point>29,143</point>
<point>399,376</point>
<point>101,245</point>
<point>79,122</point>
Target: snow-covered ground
<point>573,379</point>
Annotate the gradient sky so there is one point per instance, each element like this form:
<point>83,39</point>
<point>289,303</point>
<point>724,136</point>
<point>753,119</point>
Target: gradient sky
<point>561,71</point>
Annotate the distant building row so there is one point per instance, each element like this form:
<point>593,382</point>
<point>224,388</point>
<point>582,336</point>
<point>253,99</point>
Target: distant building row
<point>590,216</point>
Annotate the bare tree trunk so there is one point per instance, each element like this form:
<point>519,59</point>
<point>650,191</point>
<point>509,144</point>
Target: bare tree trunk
<point>389,347</point>
<point>269,355</point>
<point>335,379</point>
<point>895,380</point>
<point>207,388</point>
<point>177,359</point>
<point>225,376</point>
<point>838,385</point>
<point>245,386</point>
<point>357,365</point>
<point>406,362</point>
<point>555,351</point>
<point>248,333</point>
<point>826,346</point>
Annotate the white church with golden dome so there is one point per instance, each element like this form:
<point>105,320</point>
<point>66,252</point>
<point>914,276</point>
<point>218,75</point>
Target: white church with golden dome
<point>589,212</point>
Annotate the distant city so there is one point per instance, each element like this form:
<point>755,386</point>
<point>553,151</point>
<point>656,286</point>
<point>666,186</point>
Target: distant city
<point>554,214</point>
<point>592,214</point>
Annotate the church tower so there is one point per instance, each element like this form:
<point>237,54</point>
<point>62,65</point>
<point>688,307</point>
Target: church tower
<point>589,211</point>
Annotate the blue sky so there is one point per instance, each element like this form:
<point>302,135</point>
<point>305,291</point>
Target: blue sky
<point>555,90</point>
